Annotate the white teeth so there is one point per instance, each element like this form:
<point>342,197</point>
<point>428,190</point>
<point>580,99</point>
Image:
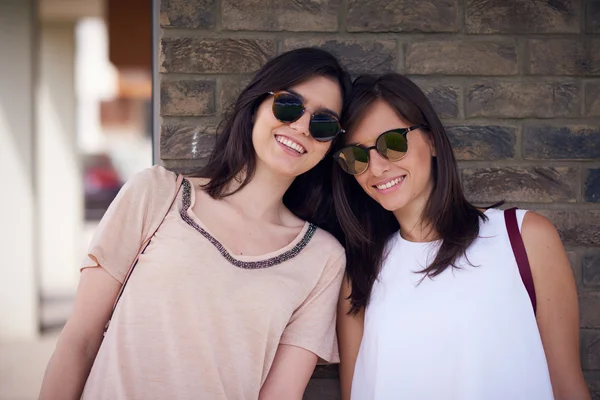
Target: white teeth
<point>391,183</point>
<point>291,144</point>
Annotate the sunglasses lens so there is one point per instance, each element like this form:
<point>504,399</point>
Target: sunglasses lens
<point>353,159</point>
<point>323,127</point>
<point>392,145</point>
<point>287,107</point>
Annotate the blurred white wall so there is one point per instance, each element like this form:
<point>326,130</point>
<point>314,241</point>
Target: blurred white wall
<point>55,75</point>
<point>96,80</point>
<point>58,171</point>
<point>18,283</point>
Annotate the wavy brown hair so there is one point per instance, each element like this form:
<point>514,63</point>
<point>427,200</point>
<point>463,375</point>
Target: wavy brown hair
<point>367,227</point>
<point>309,196</point>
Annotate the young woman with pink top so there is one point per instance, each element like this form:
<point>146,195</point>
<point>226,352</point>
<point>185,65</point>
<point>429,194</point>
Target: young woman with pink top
<point>235,295</point>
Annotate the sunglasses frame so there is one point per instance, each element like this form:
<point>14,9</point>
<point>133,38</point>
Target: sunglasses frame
<point>403,131</point>
<point>304,109</point>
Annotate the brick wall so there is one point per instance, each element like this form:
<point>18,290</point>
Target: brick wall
<point>517,82</point>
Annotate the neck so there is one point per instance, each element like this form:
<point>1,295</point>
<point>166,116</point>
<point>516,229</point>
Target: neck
<point>413,225</point>
<point>262,197</point>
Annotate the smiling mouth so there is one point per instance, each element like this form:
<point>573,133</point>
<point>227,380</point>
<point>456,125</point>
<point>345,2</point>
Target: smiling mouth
<point>391,183</point>
<point>290,144</point>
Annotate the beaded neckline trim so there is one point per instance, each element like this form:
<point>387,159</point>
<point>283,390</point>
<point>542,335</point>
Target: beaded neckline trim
<point>238,263</point>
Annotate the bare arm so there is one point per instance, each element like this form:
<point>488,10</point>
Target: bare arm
<point>81,337</point>
<point>291,370</point>
<point>350,332</point>
<point>557,308</point>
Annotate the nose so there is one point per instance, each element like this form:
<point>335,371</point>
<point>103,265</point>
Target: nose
<point>378,164</point>
<point>301,124</point>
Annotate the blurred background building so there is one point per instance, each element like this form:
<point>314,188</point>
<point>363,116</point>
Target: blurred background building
<point>75,123</point>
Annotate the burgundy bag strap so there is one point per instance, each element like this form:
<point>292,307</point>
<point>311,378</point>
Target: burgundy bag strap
<point>142,249</point>
<point>516,242</point>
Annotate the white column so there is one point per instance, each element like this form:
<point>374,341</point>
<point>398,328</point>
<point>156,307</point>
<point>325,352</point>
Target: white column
<point>18,288</point>
<point>58,172</point>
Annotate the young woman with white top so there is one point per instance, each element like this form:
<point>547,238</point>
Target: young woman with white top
<point>435,304</point>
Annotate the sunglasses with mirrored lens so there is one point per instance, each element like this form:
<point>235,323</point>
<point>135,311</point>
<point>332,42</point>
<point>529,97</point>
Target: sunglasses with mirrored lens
<point>288,107</point>
<point>392,145</point>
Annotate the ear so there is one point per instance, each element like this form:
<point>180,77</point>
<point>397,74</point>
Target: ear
<point>431,145</point>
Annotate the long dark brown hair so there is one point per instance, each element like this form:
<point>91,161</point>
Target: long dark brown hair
<point>234,157</point>
<point>366,225</point>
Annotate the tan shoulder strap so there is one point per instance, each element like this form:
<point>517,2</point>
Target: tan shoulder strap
<point>142,248</point>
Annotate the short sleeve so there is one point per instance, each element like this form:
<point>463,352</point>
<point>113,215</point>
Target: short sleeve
<point>312,326</point>
<point>123,228</point>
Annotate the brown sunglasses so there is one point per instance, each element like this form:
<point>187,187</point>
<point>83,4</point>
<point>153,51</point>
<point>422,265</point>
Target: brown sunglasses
<point>392,145</point>
<point>289,107</point>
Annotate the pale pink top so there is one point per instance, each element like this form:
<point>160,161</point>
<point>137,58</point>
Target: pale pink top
<point>191,324</point>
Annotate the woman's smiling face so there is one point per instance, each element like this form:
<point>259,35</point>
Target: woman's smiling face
<point>288,148</point>
<point>394,184</point>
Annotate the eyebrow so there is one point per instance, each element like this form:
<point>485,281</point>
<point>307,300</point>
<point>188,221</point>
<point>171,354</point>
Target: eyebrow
<point>363,142</point>
<point>376,137</point>
<point>318,109</point>
<point>368,140</point>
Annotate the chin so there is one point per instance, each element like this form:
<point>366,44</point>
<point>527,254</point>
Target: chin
<point>392,204</point>
<point>287,171</point>
<point>279,166</point>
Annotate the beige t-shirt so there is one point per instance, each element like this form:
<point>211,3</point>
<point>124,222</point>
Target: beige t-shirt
<point>194,321</point>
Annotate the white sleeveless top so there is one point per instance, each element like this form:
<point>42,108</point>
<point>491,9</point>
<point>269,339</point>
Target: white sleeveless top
<point>467,334</point>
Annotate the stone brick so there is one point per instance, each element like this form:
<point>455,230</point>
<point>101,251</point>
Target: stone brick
<point>280,15</point>
<point>543,99</point>
<point>591,190</point>
<point>358,56</point>
<point>443,98</point>
<point>484,143</point>
<point>590,348</point>
<point>577,227</point>
<point>564,57</point>
<point>218,56</point>
<point>188,13</point>
<point>523,16</point>
<point>591,269</point>
<point>187,97</point>
<point>589,304</point>
<point>322,389</point>
<point>402,15</point>
<point>184,141</point>
<point>592,99</point>
<point>462,58</point>
<point>534,185</point>
<point>541,142</point>
<point>231,87</point>
<point>593,380</point>
<point>593,17</point>
<point>186,167</point>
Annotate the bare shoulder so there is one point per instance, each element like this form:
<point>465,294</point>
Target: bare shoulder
<point>544,247</point>
<point>538,229</point>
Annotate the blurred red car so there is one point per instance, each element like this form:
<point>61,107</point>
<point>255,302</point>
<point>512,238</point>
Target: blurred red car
<point>101,183</point>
